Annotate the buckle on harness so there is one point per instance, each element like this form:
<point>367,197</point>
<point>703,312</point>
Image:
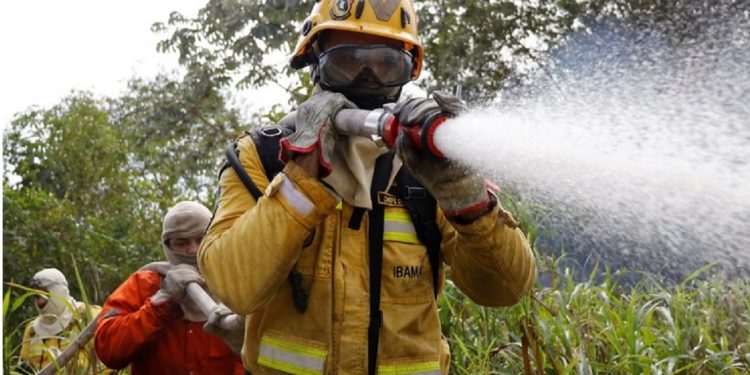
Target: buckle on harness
<point>271,131</point>
<point>414,192</point>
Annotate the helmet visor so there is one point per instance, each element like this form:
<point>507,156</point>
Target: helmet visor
<point>376,65</point>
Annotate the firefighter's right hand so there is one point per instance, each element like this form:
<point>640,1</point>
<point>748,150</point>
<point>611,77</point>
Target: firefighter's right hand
<point>414,111</point>
<point>174,285</point>
<point>313,129</point>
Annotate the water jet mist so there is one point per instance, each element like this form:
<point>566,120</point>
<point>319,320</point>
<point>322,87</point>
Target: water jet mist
<point>639,146</point>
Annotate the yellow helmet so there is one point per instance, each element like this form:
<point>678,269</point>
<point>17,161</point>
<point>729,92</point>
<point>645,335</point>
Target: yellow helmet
<point>394,19</point>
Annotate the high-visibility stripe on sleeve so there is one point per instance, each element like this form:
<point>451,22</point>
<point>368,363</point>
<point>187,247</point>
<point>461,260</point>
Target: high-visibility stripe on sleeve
<point>291,357</point>
<point>296,199</point>
<point>425,368</point>
<point>399,227</point>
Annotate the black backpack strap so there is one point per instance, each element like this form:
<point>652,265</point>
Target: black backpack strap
<point>233,158</point>
<point>383,167</point>
<point>422,209</point>
<point>266,139</point>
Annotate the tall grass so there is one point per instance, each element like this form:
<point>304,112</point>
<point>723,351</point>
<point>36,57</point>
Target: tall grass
<point>701,326</point>
<point>11,332</point>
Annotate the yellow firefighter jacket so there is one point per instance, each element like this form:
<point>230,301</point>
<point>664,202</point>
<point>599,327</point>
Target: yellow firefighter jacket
<point>250,248</point>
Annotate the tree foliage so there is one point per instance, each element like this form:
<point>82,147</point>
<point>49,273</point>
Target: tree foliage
<point>472,43</point>
<point>105,171</point>
<point>176,138</point>
<point>229,40</point>
<point>73,198</point>
<point>88,181</point>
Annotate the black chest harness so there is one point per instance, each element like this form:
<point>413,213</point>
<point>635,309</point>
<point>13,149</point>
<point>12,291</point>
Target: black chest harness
<point>422,208</point>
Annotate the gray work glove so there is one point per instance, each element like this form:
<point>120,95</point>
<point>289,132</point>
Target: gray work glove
<point>233,337</point>
<point>459,190</point>
<point>313,128</point>
<point>175,282</point>
<point>415,110</point>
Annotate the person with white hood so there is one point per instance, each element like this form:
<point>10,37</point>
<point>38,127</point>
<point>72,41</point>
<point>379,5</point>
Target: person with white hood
<point>149,324</point>
<point>61,319</point>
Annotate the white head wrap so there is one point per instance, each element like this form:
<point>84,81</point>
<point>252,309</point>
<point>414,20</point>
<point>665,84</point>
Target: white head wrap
<point>186,219</point>
<point>58,311</point>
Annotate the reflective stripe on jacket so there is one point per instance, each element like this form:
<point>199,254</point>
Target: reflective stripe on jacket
<point>154,339</point>
<point>250,248</point>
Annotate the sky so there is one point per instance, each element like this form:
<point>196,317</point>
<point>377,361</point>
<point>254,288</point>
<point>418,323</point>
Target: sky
<point>51,47</point>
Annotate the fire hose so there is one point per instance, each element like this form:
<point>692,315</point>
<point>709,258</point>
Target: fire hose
<point>206,304</point>
<point>70,352</point>
<point>366,123</point>
<point>200,297</point>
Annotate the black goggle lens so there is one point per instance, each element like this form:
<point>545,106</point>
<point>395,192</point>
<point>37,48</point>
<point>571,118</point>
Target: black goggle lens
<point>342,65</point>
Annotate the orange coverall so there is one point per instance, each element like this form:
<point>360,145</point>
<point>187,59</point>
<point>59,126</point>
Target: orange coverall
<point>153,338</point>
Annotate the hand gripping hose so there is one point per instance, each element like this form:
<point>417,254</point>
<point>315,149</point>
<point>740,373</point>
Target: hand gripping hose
<point>199,296</point>
<point>207,305</point>
<point>384,124</point>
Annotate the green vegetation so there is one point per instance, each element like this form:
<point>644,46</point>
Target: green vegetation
<point>701,326</point>
<point>607,324</point>
<point>12,332</point>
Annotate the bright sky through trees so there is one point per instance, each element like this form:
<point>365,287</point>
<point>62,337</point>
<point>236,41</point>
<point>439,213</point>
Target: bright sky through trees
<point>51,47</point>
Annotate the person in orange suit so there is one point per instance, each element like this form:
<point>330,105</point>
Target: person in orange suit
<point>149,324</point>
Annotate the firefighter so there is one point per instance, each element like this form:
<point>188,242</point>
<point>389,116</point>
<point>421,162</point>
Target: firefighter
<point>149,324</point>
<point>61,319</point>
<point>336,266</point>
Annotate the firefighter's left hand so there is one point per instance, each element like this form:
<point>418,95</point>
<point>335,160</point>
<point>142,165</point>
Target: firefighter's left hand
<point>233,338</point>
<point>459,190</point>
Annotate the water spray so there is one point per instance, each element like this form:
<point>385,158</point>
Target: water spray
<point>634,150</point>
<point>384,124</point>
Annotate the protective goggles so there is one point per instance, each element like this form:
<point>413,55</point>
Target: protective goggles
<point>345,64</point>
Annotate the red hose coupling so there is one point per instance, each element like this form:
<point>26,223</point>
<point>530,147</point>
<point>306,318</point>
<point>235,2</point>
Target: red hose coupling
<point>421,135</point>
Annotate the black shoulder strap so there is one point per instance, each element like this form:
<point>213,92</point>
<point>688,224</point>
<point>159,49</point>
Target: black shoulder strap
<point>422,208</point>
<point>266,139</point>
<point>383,167</point>
<point>234,161</point>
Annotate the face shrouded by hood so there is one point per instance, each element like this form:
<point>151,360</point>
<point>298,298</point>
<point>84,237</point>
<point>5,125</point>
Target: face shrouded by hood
<point>186,219</point>
<point>57,313</point>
